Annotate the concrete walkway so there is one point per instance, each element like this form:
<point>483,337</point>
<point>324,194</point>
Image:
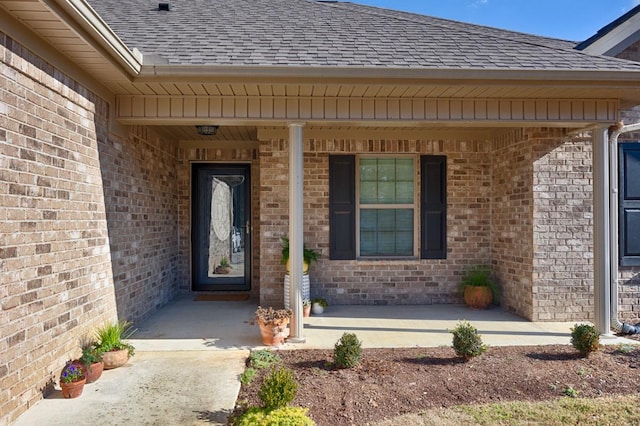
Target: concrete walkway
<point>190,354</point>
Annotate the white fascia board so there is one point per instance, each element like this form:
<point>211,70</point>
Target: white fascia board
<point>168,72</point>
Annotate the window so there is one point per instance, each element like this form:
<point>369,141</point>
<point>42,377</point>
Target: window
<point>386,205</point>
<point>374,210</point>
<point>629,207</point>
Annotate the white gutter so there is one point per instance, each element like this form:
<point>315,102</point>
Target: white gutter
<point>619,129</point>
<point>155,66</point>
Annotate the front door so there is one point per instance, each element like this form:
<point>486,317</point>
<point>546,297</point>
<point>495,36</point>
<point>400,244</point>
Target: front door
<point>220,227</point>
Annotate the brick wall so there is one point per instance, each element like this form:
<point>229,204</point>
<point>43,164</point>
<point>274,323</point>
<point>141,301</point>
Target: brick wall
<point>73,198</point>
<point>187,156</point>
<point>543,224</point>
<point>512,222</point>
<point>55,269</point>
<point>375,282</point>
<point>141,198</point>
<point>563,237</point>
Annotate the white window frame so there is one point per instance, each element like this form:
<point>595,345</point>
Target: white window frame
<point>415,206</point>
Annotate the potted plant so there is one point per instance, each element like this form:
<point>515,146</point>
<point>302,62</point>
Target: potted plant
<point>308,255</point>
<point>318,305</point>
<point>115,351</point>
<point>224,267</point>
<point>306,308</point>
<point>273,323</point>
<point>92,360</point>
<point>478,289</point>
<point>72,379</point>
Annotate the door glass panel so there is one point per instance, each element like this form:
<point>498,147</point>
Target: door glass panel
<point>220,228</point>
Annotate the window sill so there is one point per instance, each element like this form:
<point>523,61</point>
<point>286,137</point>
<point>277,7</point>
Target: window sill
<point>387,259</point>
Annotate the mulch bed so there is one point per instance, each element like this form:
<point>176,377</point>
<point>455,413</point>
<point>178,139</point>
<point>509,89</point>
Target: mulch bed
<point>391,382</point>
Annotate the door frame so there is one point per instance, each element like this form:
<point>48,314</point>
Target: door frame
<point>246,167</point>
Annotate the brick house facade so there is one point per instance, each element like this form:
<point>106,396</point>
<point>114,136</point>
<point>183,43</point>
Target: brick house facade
<point>95,215</point>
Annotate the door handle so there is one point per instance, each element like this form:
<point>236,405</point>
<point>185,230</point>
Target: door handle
<point>247,228</point>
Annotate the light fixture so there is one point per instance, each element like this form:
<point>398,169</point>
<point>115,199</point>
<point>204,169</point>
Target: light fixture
<point>207,130</point>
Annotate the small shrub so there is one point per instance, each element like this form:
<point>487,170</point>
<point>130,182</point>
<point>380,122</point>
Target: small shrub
<point>585,338</point>
<point>466,341</point>
<point>571,392</point>
<point>262,358</point>
<point>247,376</point>
<point>348,351</point>
<point>624,348</point>
<point>278,389</point>
<point>286,416</point>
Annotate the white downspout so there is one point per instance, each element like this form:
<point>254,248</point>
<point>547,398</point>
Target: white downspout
<point>617,130</point>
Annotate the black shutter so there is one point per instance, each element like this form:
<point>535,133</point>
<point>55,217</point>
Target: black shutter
<point>342,207</point>
<point>629,216</point>
<point>433,207</point>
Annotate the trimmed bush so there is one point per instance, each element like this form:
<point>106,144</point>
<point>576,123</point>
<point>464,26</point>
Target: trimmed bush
<point>466,341</point>
<point>585,338</point>
<point>286,416</point>
<point>348,351</point>
<point>278,389</point>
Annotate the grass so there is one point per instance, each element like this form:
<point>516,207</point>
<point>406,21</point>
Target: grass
<point>621,410</point>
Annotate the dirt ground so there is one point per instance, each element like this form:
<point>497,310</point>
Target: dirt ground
<point>391,382</point>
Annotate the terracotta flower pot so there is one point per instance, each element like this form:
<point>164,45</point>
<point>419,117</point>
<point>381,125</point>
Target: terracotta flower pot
<point>94,371</point>
<point>478,297</point>
<point>115,359</point>
<point>72,389</point>
<point>273,333</point>
<point>306,311</point>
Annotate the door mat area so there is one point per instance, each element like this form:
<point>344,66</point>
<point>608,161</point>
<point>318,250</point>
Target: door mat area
<point>221,297</point>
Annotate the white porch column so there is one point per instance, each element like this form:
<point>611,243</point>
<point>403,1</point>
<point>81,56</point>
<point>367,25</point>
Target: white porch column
<point>296,233</point>
<point>601,235</point>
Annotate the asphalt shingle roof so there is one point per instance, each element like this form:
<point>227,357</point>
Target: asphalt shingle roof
<point>331,34</point>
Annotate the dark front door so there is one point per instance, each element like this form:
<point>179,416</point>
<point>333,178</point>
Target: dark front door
<point>220,227</point>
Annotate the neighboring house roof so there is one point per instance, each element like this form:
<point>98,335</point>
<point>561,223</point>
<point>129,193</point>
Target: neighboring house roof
<point>616,36</point>
<point>303,33</point>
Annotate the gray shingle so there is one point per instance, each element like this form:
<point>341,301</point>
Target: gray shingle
<point>321,34</point>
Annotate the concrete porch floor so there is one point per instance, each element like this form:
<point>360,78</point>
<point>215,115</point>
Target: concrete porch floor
<point>201,347</point>
<point>185,324</point>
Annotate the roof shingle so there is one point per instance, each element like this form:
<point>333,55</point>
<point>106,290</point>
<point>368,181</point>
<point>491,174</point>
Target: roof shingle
<point>308,33</point>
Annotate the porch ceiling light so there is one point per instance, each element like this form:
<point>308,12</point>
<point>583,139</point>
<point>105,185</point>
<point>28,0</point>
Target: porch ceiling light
<point>207,130</point>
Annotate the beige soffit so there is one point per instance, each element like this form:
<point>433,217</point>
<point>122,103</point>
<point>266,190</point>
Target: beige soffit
<point>108,40</point>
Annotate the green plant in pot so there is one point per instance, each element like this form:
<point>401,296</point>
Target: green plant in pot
<point>92,360</point>
<point>478,288</point>
<point>308,255</point>
<point>318,305</point>
<point>111,342</point>
<point>224,267</point>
